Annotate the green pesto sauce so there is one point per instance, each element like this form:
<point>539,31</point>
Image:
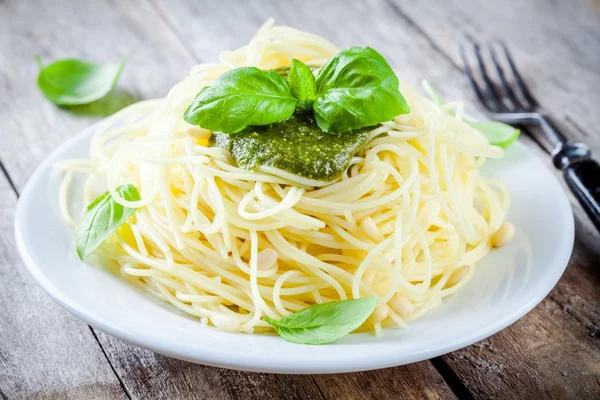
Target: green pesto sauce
<point>296,145</point>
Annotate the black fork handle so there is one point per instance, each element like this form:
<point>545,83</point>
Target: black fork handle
<point>582,174</point>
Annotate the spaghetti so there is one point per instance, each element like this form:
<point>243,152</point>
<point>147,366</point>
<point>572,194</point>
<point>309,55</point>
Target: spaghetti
<point>408,221</point>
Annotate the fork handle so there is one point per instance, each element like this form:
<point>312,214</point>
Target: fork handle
<point>582,174</point>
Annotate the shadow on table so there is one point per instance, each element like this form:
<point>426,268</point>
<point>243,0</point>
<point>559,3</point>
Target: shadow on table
<point>108,105</point>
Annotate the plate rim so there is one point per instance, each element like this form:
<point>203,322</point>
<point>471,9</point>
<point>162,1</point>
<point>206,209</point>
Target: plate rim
<point>262,364</point>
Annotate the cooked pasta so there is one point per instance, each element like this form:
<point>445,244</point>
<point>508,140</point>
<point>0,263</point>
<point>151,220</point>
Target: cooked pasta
<point>408,221</point>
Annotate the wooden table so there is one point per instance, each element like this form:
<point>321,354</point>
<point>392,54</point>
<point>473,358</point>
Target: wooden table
<point>553,352</point>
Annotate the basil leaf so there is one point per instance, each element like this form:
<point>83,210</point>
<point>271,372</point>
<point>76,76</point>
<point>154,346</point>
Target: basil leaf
<point>71,82</point>
<point>102,217</point>
<point>324,323</point>
<point>357,88</point>
<point>303,85</point>
<point>497,133</point>
<point>239,98</point>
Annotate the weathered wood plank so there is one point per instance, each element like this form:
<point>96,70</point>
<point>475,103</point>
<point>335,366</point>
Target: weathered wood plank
<point>101,31</point>
<point>556,43</point>
<point>150,375</point>
<point>416,58</point>
<point>417,381</point>
<point>97,31</point>
<point>145,374</point>
<point>565,89</point>
<point>209,28</point>
<point>577,291</point>
<point>554,350</point>
<point>44,351</point>
<point>396,31</point>
<point>545,355</point>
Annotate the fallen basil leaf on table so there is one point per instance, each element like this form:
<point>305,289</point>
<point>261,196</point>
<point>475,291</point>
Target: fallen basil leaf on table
<point>72,82</point>
<point>498,133</point>
<point>101,218</point>
<point>324,323</point>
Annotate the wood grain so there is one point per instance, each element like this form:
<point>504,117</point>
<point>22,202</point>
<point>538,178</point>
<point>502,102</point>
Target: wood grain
<point>553,352</point>
<point>150,375</point>
<point>45,352</point>
<point>556,43</point>
<point>97,31</point>
<point>418,382</point>
<point>415,57</point>
<point>577,291</point>
<point>574,31</point>
<point>133,30</point>
<point>546,354</point>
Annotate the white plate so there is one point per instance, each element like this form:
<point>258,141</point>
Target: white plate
<point>508,283</point>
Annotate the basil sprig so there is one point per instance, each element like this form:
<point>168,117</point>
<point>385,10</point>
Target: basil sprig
<point>357,88</point>
<point>354,89</point>
<point>71,82</point>
<point>324,323</point>
<point>101,218</point>
<point>241,97</point>
<point>303,84</point>
<point>497,133</point>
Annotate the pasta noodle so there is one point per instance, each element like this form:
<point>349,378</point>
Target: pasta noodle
<point>408,221</point>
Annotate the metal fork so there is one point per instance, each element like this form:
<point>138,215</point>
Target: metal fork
<point>507,99</point>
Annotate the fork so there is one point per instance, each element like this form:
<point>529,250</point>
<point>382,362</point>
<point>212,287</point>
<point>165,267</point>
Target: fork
<point>507,99</point>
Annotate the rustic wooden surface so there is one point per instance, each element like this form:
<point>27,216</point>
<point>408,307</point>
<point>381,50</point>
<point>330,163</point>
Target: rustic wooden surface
<point>553,352</point>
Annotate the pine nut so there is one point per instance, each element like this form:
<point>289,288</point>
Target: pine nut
<point>370,228</point>
<point>401,305</point>
<point>378,315</point>
<point>457,275</point>
<point>503,235</point>
<point>225,322</point>
<point>266,258</point>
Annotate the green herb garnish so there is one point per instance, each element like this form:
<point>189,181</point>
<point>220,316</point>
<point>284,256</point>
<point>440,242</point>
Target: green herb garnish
<point>324,323</point>
<point>73,82</point>
<point>316,155</point>
<point>357,88</point>
<point>242,97</point>
<point>354,89</point>
<point>303,84</point>
<point>497,133</point>
<point>101,218</point>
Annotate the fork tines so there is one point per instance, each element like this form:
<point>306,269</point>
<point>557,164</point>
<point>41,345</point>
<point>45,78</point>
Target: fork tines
<point>506,92</point>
